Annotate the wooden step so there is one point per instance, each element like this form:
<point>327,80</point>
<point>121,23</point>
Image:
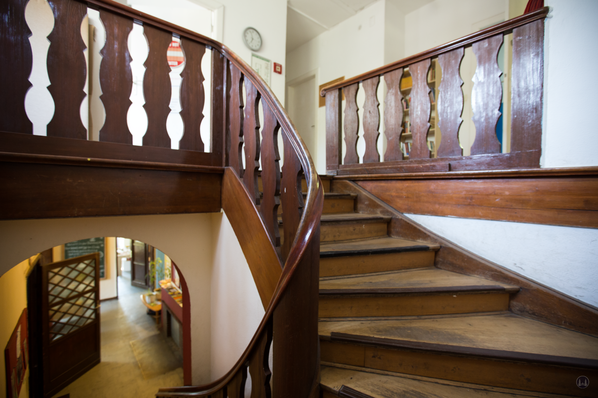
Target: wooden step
<point>426,291</point>
<point>379,384</point>
<point>352,226</point>
<point>337,203</point>
<point>501,350</point>
<point>374,255</point>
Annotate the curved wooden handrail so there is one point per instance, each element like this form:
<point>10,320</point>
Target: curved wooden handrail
<point>443,48</point>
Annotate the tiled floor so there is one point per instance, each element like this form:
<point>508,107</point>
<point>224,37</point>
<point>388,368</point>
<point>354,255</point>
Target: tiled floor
<point>118,375</point>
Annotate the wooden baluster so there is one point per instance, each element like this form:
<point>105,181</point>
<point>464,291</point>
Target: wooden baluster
<point>251,132</point>
<point>333,131</point>
<point>270,175</point>
<point>219,394</point>
<point>527,84</point>
<point>393,115</point>
<point>351,124</point>
<point>236,387</point>
<point>157,88</point>
<point>15,66</point>
<point>192,95</point>
<point>67,69</point>
<point>419,112</point>
<point>371,120</point>
<point>236,119</point>
<point>219,101</point>
<point>116,78</point>
<point>259,368</point>
<point>486,96</point>
<point>450,103</point>
<point>292,198</point>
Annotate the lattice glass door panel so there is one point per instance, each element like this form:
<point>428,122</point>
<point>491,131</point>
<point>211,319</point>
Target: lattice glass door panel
<point>71,315</point>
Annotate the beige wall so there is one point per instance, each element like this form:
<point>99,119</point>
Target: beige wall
<point>13,296</point>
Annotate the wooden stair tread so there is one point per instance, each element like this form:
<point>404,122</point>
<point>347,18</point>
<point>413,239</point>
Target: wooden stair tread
<point>350,217</point>
<point>379,245</point>
<point>500,335</point>
<point>419,280</point>
<point>385,385</point>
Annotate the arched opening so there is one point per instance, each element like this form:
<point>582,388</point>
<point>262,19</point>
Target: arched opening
<point>139,350</point>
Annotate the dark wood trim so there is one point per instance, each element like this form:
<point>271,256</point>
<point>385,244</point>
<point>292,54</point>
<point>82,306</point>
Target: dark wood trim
<point>109,299</point>
<point>35,147</point>
<point>348,392</point>
<point>36,190</point>
<point>462,350</point>
<point>504,27</point>
<point>367,252</point>
<point>534,300</point>
<point>565,201</point>
<point>416,290</point>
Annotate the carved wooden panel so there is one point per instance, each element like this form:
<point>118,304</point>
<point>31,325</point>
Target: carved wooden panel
<point>251,132</point>
<point>259,368</point>
<point>116,78</point>
<point>486,95</point>
<point>333,130</point>
<point>527,85</point>
<point>292,198</point>
<point>371,120</point>
<point>67,69</point>
<point>393,116</point>
<point>157,87</point>
<point>236,119</point>
<point>270,175</point>
<point>15,67</point>
<point>192,95</point>
<point>419,112</point>
<point>450,103</point>
<point>351,124</point>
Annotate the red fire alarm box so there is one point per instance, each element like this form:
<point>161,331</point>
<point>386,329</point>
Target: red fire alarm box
<point>277,68</point>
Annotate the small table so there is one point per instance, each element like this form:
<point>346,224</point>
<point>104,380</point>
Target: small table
<point>154,304</point>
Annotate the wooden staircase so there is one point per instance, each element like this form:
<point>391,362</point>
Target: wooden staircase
<point>393,325</point>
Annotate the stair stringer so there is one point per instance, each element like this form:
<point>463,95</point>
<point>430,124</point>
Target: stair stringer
<point>534,300</point>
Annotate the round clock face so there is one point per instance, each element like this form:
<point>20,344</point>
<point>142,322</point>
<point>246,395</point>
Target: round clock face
<point>252,39</point>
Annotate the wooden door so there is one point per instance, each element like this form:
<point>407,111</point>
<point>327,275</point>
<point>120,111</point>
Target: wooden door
<point>68,322</point>
<point>140,264</point>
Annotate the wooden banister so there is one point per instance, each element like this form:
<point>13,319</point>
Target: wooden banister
<point>285,268</point>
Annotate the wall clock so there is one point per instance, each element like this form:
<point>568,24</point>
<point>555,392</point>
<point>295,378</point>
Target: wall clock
<point>252,39</point>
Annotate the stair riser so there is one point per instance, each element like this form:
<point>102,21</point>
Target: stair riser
<point>491,372</point>
<point>334,206</point>
<point>334,232</point>
<point>400,305</point>
<point>364,264</point>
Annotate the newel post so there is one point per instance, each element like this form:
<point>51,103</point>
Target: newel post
<point>333,131</point>
<point>296,344</point>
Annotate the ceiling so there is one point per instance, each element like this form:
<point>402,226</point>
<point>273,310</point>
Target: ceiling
<point>307,19</point>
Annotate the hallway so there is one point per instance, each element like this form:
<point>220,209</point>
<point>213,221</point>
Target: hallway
<point>123,322</point>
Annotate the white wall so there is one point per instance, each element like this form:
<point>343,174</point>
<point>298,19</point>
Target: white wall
<point>236,305</point>
<point>570,138</point>
<point>539,252</point>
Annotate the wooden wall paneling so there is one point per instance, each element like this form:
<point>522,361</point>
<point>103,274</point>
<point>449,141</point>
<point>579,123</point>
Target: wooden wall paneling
<point>192,95</point>
<point>554,201</point>
<point>450,103</point>
<point>87,191</point>
<point>251,132</point>
<point>15,67</point>
<point>116,78</point>
<point>333,131</point>
<point>270,175</point>
<point>236,120</point>
<point>527,86</point>
<point>259,368</point>
<point>253,237</point>
<point>371,120</point>
<point>486,95</point>
<point>351,124</point>
<point>419,112</point>
<point>393,115</point>
<point>219,103</point>
<point>67,69</point>
<point>291,195</point>
<point>157,88</point>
